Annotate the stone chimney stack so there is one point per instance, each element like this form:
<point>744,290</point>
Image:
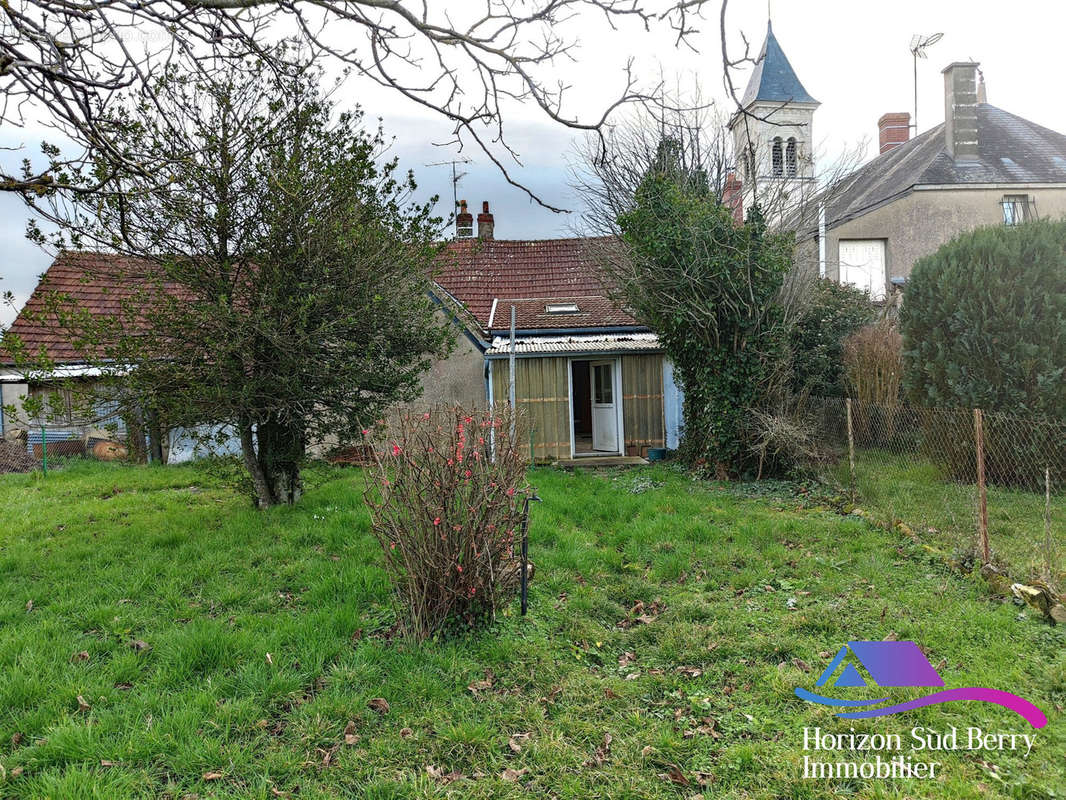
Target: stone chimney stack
<point>894,130</point>
<point>960,111</point>
<point>464,222</point>
<point>485,222</point>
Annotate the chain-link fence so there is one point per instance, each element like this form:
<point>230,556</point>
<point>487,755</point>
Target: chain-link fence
<point>980,487</point>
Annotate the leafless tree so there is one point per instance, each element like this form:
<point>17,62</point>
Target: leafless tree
<point>67,61</point>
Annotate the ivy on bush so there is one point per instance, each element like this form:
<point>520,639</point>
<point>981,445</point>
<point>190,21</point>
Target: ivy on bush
<point>832,312</point>
<point>708,287</point>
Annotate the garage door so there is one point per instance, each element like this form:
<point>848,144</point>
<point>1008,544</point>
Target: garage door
<point>862,264</point>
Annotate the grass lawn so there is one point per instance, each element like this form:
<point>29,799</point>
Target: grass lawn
<point>944,512</point>
<point>747,596</point>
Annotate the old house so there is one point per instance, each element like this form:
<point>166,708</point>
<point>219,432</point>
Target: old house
<point>591,381</point>
<point>981,166</point>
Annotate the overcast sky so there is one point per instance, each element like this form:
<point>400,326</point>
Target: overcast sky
<point>852,56</point>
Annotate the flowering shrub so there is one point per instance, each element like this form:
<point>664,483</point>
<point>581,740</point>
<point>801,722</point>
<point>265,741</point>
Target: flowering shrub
<point>446,498</point>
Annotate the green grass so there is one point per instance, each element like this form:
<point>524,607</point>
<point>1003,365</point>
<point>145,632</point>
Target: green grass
<point>753,588</point>
<point>944,512</point>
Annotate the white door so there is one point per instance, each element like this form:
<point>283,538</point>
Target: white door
<point>604,408</point>
<point>862,264</point>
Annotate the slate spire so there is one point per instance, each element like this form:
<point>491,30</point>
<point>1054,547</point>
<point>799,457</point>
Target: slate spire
<point>774,80</point>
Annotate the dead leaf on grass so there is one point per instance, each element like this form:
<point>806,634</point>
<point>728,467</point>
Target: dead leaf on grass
<point>269,660</point>
<point>483,685</point>
<point>140,646</point>
<point>379,704</point>
<point>212,776</point>
<point>801,665</point>
<point>513,775</point>
<point>82,704</point>
<point>108,763</point>
<point>602,752</point>
<point>675,775</point>
<point>350,736</point>
<point>406,733</point>
<point>517,740</point>
<point>611,694</point>
<point>626,659</point>
<point>80,656</point>
<point>29,607</point>
<point>689,672</point>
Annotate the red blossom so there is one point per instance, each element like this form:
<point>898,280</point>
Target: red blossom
<point>436,521</point>
<point>396,450</point>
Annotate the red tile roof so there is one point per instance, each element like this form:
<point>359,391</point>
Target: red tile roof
<point>531,275</point>
<point>96,282</point>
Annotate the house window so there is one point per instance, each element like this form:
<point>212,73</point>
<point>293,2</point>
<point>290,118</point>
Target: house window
<point>778,160</point>
<point>561,308</point>
<point>862,265</point>
<point>790,158</point>
<point>1015,209</point>
<point>603,384</point>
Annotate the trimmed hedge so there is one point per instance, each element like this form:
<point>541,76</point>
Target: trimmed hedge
<point>984,326</point>
<point>984,322</point>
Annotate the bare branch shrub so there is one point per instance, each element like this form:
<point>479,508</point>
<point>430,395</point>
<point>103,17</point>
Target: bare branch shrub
<point>446,499</point>
<point>873,358</point>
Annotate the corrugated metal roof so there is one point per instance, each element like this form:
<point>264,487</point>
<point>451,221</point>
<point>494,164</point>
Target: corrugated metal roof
<point>560,345</point>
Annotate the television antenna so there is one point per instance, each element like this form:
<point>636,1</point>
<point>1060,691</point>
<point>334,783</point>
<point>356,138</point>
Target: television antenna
<point>919,44</point>
<point>456,176</point>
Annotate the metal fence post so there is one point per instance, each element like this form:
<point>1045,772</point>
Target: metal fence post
<point>982,489</point>
<point>44,450</point>
<point>851,448</point>
<point>1048,547</point>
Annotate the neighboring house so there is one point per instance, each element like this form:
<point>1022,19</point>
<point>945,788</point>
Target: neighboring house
<point>982,166</point>
<point>591,381</point>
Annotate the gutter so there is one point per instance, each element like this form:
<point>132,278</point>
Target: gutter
<point>570,331</point>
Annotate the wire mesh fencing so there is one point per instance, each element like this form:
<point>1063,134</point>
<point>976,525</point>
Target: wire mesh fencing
<point>981,487</point>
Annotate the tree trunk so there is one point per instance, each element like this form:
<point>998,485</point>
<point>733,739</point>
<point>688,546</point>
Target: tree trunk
<point>281,452</point>
<point>263,497</point>
<point>155,438</point>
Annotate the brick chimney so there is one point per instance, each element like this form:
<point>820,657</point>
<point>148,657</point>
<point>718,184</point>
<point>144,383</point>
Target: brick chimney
<point>464,222</point>
<point>485,223</point>
<point>733,197</point>
<point>894,130</point>
<point>960,111</point>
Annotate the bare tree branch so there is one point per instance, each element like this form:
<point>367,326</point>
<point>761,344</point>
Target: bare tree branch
<point>67,60</point>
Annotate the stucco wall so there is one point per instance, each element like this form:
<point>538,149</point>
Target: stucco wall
<point>919,223</point>
<point>458,379</point>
